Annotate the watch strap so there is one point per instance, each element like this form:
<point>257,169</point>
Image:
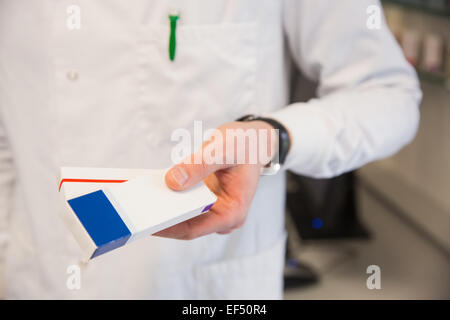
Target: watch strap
<point>284,141</point>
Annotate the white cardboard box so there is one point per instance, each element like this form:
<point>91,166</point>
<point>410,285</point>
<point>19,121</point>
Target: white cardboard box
<point>108,208</point>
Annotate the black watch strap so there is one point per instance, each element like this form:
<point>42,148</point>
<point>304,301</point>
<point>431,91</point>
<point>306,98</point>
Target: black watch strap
<point>284,141</point>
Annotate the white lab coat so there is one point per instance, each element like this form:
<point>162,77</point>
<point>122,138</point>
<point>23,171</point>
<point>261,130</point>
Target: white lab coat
<point>107,95</point>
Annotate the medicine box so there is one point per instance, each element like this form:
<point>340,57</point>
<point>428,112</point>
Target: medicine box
<point>108,208</point>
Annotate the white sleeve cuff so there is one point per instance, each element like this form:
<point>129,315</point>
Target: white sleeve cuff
<point>307,127</point>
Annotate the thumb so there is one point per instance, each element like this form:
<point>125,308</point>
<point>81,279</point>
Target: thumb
<point>188,173</point>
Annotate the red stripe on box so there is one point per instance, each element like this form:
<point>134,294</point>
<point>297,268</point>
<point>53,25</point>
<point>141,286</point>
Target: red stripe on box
<point>90,181</point>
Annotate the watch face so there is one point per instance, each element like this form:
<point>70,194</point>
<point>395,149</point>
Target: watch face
<point>271,169</point>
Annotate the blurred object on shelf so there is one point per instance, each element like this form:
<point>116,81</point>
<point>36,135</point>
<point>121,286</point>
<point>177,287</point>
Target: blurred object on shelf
<point>424,39</point>
<point>410,42</point>
<point>433,53</point>
<point>433,7</point>
<point>394,19</point>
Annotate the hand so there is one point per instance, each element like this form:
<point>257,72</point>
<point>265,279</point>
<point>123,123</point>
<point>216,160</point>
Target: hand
<point>234,184</point>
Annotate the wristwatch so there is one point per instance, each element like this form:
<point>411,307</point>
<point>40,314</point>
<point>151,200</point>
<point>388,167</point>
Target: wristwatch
<point>284,143</point>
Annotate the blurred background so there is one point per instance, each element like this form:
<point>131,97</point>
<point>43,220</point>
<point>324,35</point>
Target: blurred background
<point>394,213</point>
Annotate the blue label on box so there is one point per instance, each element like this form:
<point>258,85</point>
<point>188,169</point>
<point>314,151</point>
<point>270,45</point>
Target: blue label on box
<point>101,220</point>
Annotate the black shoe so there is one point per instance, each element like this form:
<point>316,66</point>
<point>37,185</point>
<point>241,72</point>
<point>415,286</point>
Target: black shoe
<point>297,274</point>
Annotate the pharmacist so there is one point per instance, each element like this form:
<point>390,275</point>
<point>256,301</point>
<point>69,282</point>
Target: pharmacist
<point>105,83</point>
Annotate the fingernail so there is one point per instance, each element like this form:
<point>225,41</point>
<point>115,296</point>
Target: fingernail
<point>179,175</point>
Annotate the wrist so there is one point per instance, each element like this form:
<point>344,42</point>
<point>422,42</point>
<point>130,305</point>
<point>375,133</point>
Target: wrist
<point>279,140</point>
<point>270,135</point>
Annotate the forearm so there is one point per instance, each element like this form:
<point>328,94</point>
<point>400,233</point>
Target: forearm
<point>368,95</point>
<point>348,129</point>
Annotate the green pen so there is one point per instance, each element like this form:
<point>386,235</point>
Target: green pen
<point>173,17</point>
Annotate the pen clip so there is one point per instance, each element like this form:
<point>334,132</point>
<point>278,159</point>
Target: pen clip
<point>173,18</point>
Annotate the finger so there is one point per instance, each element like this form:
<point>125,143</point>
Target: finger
<point>225,232</point>
<point>193,228</point>
<point>209,222</point>
<point>178,231</point>
<point>188,173</point>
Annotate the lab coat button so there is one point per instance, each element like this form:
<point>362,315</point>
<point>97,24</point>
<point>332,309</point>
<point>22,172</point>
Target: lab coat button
<point>72,75</point>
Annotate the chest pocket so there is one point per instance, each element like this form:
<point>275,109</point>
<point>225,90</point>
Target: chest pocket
<point>212,77</point>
